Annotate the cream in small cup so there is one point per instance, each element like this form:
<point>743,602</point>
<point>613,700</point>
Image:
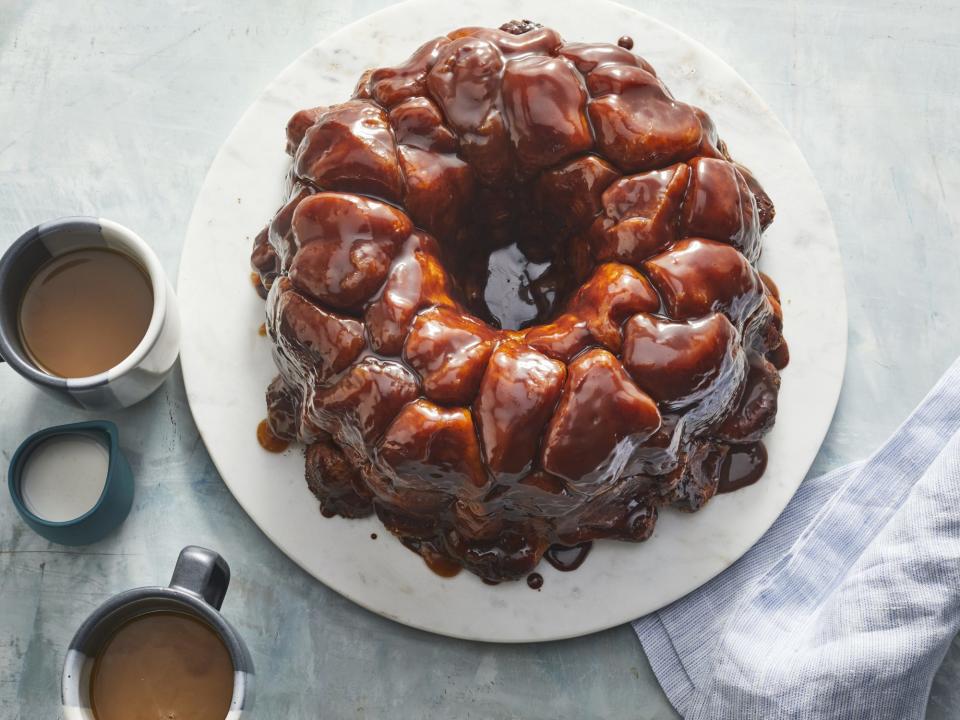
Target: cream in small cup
<point>87,313</point>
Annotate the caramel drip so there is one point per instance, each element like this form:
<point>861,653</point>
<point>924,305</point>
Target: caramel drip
<point>268,440</point>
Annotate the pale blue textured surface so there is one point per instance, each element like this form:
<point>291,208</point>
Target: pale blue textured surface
<point>116,109</point>
<point>847,606</point>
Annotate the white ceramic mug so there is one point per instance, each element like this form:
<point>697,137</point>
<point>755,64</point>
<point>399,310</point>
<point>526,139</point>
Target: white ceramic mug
<point>151,361</point>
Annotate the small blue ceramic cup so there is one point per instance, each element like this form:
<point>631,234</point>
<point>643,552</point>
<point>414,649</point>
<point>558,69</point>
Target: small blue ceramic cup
<point>199,584</point>
<point>137,375</point>
<point>110,509</point>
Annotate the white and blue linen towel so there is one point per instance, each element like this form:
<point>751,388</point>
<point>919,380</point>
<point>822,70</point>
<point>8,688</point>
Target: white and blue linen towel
<point>848,604</point>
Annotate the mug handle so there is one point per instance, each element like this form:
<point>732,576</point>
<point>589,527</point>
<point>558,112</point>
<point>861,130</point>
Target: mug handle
<point>203,574</point>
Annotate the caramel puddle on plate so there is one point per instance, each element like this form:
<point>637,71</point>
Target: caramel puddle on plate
<point>566,559</point>
<point>742,466</point>
<point>268,441</point>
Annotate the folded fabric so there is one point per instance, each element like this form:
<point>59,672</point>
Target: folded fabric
<point>847,605</point>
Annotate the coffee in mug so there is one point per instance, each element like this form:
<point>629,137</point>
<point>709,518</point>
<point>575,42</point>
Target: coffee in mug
<point>162,665</point>
<point>85,311</point>
<point>161,652</point>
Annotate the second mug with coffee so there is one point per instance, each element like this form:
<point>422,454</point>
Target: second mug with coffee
<point>161,652</point>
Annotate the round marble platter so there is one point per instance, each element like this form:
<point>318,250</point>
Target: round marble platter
<point>227,365</point>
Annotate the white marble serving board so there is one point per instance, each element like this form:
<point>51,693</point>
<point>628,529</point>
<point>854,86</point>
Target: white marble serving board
<point>227,365</point>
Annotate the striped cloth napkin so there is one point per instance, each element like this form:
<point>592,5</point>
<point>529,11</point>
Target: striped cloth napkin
<point>846,607</point>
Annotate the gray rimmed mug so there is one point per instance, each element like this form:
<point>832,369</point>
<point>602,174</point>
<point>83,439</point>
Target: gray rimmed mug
<point>137,375</point>
<point>198,586</point>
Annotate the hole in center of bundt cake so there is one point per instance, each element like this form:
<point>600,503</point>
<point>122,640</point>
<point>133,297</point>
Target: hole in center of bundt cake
<point>512,270</point>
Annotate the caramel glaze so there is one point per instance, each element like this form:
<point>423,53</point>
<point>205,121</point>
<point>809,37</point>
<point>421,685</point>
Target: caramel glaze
<point>514,304</point>
<point>439,563</point>
<point>268,439</point>
<point>258,285</point>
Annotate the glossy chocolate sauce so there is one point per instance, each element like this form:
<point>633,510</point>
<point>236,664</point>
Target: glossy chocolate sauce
<point>566,559</point>
<point>742,466</point>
